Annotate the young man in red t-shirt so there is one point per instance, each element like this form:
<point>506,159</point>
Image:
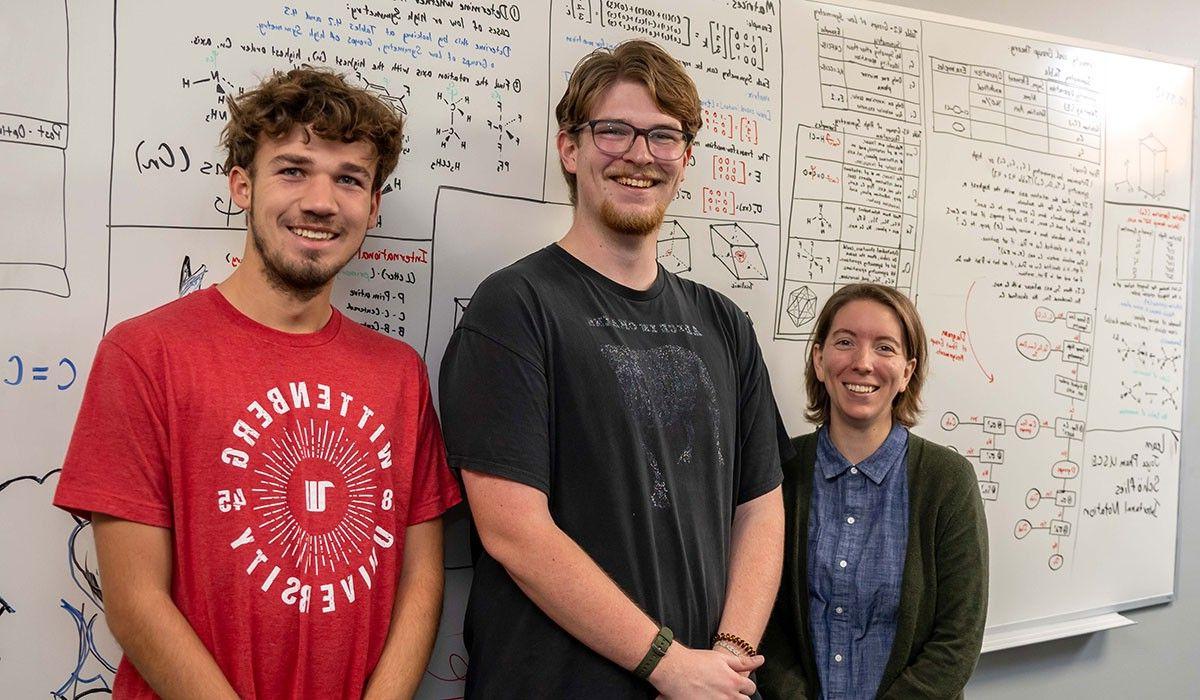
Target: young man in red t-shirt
<point>266,477</point>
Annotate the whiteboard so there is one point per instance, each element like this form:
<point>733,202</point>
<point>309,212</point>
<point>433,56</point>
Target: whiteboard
<point>1031,192</point>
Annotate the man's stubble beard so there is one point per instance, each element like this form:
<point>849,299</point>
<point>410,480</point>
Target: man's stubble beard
<point>301,281</point>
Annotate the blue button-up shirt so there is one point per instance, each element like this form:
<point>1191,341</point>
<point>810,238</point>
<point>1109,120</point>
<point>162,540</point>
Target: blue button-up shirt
<point>857,539</point>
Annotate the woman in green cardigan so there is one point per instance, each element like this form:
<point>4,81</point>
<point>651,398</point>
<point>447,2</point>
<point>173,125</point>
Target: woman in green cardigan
<point>884,590</point>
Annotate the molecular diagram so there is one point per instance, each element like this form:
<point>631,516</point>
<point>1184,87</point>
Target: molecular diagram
<point>450,133</point>
<point>806,252</point>
<point>502,126</point>
<point>824,224</point>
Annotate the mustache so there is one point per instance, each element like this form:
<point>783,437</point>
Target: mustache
<point>318,221</point>
<point>648,173</point>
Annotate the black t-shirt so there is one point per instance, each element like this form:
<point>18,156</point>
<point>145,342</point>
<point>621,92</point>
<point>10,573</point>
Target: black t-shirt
<point>645,416</point>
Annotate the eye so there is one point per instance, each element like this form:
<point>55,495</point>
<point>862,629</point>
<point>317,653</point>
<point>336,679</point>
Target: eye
<point>350,180</point>
<point>842,343</point>
<point>613,129</point>
<point>887,349</point>
<point>666,136</point>
<point>291,171</point>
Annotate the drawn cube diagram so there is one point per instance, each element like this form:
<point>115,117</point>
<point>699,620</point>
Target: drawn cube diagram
<point>1152,166</point>
<point>674,248</point>
<point>737,251</point>
<point>802,306</point>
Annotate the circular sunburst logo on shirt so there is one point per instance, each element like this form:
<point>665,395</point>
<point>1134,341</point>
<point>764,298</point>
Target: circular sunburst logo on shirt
<point>308,476</point>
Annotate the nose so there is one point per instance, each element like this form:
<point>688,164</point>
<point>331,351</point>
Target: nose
<point>862,359</point>
<point>639,150</point>
<point>319,197</point>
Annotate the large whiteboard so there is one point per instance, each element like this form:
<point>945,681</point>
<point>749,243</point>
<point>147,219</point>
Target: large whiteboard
<point>1031,192</point>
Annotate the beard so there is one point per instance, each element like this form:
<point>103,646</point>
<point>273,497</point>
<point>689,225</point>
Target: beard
<point>634,223</point>
<point>638,222</point>
<point>302,280</point>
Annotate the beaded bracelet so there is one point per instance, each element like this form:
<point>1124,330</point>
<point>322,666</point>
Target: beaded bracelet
<point>734,639</point>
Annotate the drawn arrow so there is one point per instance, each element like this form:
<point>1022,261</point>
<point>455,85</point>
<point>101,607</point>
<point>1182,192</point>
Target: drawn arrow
<point>990,377</point>
<point>229,211</point>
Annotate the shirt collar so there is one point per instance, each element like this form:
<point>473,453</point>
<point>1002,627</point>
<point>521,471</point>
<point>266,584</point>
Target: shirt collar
<point>832,464</point>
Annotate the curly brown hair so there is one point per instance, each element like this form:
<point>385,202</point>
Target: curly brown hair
<point>323,101</point>
<point>637,61</point>
<point>906,407</point>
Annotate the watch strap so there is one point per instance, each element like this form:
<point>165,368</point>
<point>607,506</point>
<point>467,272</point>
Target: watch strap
<point>658,649</point>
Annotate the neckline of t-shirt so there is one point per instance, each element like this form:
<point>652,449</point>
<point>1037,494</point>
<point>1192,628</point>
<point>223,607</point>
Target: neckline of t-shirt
<point>660,281</point>
<point>298,340</point>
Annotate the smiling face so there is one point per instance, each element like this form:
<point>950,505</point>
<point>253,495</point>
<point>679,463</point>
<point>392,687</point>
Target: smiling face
<point>863,366</point>
<point>625,194</point>
<point>309,204</point>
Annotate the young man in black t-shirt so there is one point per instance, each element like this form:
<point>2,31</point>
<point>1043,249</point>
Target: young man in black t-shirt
<point>616,430</point>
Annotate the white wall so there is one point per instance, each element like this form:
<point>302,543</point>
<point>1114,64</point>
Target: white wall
<point>1157,658</point>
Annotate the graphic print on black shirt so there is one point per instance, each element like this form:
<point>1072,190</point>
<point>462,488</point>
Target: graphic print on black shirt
<point>668,392</point>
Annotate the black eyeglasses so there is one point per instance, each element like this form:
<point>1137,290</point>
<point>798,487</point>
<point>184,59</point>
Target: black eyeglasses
<point>615,138</point>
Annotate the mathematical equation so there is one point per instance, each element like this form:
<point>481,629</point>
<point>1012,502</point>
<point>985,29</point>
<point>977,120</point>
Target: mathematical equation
<point>18,371</point>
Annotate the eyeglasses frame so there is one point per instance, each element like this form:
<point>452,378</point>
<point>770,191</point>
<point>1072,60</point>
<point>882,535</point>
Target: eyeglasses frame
<point>688,137</point>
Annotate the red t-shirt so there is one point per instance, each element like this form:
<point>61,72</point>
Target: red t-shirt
<point>287,467</point>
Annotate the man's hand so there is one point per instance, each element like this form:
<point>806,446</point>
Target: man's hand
<point>702,673</point>
<point>721,649</point>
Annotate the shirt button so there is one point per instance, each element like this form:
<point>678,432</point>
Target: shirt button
<point>839,610</point>
<point>853,470</point>
<point>842,563</point>
<point>837,658</point>
<point>850,520</point>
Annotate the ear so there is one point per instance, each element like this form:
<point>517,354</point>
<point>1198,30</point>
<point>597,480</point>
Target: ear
<point>909,368</point>
<point>376,196</point>
<point>241,187</point>
<point>687,158</point>
<point>568,149</point>
<point>816,360</point>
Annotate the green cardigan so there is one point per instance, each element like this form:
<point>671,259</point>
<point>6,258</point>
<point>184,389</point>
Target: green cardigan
<point>943,600</point>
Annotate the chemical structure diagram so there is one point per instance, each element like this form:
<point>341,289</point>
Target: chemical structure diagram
<point>1163,359</point>
<point>1134,392</point>
<point>823,224</point>
<point>452,99</point>
<point>502,126</point>
<point>1054,506</point>
<point>222,88</point>
<point>505,133</point>
<point>381,91</point>
<point>806,253</point>
<point>1153,369</point>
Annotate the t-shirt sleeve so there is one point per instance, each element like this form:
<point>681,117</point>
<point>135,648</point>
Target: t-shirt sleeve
<point>495,407</point>
<point>434,489</point>
<point>760,428</point>
<point>118,459</point>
